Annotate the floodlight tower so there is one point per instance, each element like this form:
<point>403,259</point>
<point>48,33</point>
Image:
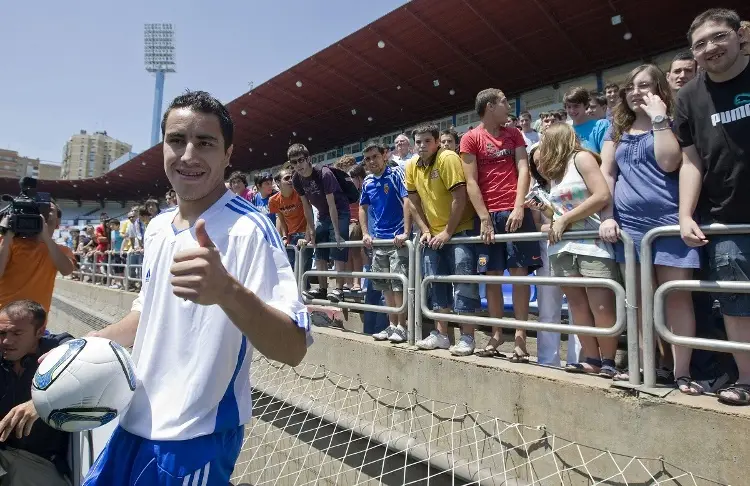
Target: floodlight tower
<point>158,40</point>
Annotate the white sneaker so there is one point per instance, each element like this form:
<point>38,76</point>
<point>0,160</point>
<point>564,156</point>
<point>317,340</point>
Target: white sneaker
<point>384,334</point>
<point>434,341</point>
<point>464,346</point>
<point>398,335</point>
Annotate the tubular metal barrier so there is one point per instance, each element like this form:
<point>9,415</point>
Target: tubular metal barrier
<point>408,282</point>
<point>624,297</point>
<point>654,303</point>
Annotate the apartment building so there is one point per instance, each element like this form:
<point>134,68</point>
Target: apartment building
<point>15,166</point>
<point>90,154</point>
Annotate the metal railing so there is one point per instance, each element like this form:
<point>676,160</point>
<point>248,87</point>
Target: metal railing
<point>625,298</point>
<point>408,282</point>
<point>104,272</point>
<point>654,303</point>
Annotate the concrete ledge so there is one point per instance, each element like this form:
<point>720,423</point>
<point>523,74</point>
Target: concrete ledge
<point>693,433</point>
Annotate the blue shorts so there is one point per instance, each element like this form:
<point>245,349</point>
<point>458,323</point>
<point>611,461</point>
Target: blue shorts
<point>453,260</point>
<point>729,259</point>
<point>324,234</point>
<point>509,254</point>
<point>129,460</point>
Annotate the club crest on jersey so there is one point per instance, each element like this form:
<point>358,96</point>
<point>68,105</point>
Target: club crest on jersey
<point>434,174</point>
<point>386,188</point>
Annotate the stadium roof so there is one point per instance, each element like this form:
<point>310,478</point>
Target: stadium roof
<point>466,45</point>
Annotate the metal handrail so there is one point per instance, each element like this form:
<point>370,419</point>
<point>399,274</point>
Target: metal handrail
<point>652,306</point>
<point>631,311</point>
<point>408,281</point>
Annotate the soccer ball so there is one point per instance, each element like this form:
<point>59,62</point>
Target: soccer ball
<point>83,384</point>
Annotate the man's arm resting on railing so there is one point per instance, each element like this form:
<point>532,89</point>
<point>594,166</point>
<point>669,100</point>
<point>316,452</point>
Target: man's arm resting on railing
<point>421,219</point>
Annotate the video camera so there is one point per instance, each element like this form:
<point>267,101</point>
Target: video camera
<point>23,211</point>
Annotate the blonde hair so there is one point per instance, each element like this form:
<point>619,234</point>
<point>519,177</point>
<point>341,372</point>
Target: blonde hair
<point>556,147</point>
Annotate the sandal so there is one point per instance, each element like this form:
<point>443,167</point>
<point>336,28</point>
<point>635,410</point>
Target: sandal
<point>625,376</point>
<point>608,369</point>
<point>689,387</point>
<point>519,357</point>
<point>490,351</point>
<point>594,367</point>
<point>740,389</point>
<point>356,289</point>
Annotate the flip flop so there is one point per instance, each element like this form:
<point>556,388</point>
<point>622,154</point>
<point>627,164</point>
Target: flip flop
<point>689,384</point>
<point>742,391</point>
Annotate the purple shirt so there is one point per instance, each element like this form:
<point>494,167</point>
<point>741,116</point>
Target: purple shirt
<point>314,188</point>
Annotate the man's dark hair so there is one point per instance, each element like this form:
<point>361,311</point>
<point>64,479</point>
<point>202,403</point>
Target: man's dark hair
<point>202,102</point>
<point>613,86</point>
<point>489,95</point>
<point>297,149</point>
<point>286,168</point>
<point>261,178</point>
<point>357,171</point>
<point>600,99</point>
<point>238,176</point>
<point>22,309</point>
<point>715,15</point>
<point>374,146</point>
<point>114,221</point>
<point>143,211</point>
<point>430,128</point>
<point>683,56</point>
<point>525,114</point>
<point>452,133</point>
<point>577,95</point>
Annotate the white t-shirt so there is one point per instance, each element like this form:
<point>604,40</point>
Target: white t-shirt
<point>192,362</point>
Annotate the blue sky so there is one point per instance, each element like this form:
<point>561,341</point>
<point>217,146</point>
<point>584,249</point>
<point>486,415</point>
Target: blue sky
<point>66,66</point>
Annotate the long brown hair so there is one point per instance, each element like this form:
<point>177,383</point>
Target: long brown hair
<point>622,116</point>
<point>558,144</point>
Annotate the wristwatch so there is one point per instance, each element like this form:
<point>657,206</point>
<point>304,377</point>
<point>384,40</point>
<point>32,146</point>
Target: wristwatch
<point>658,119</point>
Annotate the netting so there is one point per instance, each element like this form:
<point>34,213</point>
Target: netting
<point>314,426</point>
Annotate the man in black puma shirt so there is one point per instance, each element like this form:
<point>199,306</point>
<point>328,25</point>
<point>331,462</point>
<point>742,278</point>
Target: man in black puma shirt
<point>31,452</point>
<point>712,123</point>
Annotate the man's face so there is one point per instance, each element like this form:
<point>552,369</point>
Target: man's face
<point>680,73</point>
<point>18,337</point>
<point>285,181</point>
<point>715,46</point>
<point>525,123</point>
<point>402,144</point>
<point>548,121</point>
<point>301,165</point>
<point>237,186</point>
<point>114,226</point>
<point>447,142</point>
<point>374,161</point>
<point>499,110</point>
<point>612,96</point>
<point>576,111</point>
<point>265,189</point>
<point>171,198</point>
<point>53,222</point>
<point>595,110</point>
<point>194,155</point>
<point>426,145</point>
<point>103,217</point>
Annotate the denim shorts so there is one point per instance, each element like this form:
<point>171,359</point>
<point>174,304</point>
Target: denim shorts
<point>452,260</point>
<point>324,234</point>
<point>728,260</point>
<point>509,254</point>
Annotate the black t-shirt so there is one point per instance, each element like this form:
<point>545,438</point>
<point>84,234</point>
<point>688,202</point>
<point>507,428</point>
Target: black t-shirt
<point>715,117</point>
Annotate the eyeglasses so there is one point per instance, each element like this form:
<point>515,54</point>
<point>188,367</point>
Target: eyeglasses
<point>717,38</point>
<point>640,86</point>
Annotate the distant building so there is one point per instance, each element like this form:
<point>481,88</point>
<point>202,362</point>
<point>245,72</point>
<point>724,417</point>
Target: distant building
<point>90,155</point>
<point>49,171</point>
<point>15,166</point>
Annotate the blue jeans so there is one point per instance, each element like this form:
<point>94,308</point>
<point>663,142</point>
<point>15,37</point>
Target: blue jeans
<point>453,260</point>
<point>728,260</point>
<point>324,234</point>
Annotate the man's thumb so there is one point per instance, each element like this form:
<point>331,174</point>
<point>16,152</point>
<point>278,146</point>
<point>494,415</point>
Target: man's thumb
<point>201,235</point>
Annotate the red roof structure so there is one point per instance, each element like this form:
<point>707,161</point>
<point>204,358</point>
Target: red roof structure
<point>466,45</point>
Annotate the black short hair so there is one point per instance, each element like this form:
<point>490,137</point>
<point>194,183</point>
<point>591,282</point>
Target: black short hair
<point>613,86</point>
<point>430,128</point>
<point>683,56</point>
<point>376,146</point>
<point>297,149</point>
<point>20,309</point>
<point>237,175</point>
<point>716,15</point>
<point>358,171</point>
<point>452,133</point>
<point>261,178</point>
<point>489,95</point>
<point>202,102</point>
<point>600,98</point>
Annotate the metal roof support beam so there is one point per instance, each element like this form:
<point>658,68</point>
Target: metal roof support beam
<point>556,24</point>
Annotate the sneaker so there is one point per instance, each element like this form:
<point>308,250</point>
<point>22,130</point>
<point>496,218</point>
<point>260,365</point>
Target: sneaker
<point>314,294</point>
<point>384,334</point>
<point>434,341</point>
<point>398,335</point>
<point>336,295</point>
<point>464,346</point>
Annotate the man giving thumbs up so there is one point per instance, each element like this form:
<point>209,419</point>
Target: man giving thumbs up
<point>216,284</point>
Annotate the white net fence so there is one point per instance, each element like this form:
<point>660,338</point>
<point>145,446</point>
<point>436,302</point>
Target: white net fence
<point>314,426</point>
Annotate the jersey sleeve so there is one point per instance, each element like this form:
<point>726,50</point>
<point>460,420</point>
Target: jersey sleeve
<point>398,180</point>
<point>266,272</point>
<point>364,198</point>
<point>451,171</point>
<point>469,143</point>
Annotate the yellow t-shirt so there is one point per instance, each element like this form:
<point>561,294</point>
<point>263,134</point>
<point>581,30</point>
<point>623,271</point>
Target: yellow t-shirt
<point>434,184</point>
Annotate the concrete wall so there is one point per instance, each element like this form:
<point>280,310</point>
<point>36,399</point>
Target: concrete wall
<point>582,417</point>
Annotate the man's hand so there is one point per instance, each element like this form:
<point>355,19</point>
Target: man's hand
<point>515,219</point>
<point>367,240</point>
<point>399,240</point>
<point>44,234</point>
<point>425,238</point>
<point>691,234</point>
<point>487,230</point>
<point>439,240</point>
<point>20,418</point>
<point>310,236</point>
<point>198,273</point>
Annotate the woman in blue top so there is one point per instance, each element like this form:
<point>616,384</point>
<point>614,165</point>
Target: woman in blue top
<point>640,160</point>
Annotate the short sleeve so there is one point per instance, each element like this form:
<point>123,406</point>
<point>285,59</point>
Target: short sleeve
<point>409,170</point>
<point>608,134</point>
<point>273,205</point>
<point>469,143</point>
<point>268,274</point>
<point>450,170</point>
<point>364,198</point>
<point>518,139</point>
<point>398,180</point>
<point>601,128</point>
<point>681,124</point>
<point>330,183</point>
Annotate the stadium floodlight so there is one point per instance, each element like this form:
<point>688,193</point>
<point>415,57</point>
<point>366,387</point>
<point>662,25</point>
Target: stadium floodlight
<point>158,56</point>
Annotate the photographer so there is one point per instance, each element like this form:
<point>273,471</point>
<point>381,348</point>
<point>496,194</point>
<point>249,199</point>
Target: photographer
<point>29,265</point>
<point>31,452</point>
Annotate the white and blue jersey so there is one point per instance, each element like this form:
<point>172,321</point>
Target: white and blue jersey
<point>192,362</point>
<point>384,195</point>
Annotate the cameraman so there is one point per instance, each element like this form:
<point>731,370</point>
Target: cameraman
<point>28,266</point>
<point>31,452</point>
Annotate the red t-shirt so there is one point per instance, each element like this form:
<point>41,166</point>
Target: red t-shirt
<point>496,164</point>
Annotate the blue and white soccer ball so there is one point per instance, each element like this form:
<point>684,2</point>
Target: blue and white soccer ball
<point>83,384</point>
